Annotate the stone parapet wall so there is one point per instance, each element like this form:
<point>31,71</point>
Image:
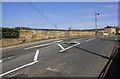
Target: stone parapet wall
<point>36,34</point>
<point>27,35</point>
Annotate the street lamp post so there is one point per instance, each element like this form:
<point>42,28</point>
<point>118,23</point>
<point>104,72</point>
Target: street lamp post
<point>55,27</point>
<point>96,22</point>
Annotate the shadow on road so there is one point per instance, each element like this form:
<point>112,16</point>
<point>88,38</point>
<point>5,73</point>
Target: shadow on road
<point>114,69</point>
<point>106,57</point>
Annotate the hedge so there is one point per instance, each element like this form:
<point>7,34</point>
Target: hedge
<point>10,32</point>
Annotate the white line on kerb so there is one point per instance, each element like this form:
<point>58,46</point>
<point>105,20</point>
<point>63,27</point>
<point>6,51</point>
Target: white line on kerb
<point>69,47</point>
<point>36,55</point>
<point>34,61</point>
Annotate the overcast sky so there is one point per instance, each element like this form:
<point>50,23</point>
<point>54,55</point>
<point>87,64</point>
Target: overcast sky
<point>78,15</point>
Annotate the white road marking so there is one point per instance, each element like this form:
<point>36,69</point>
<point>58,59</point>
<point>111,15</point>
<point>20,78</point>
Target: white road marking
<point>82,41</point>
<point>90,39</point>
<point>63,49</point>
<point>39,46</point>
<point>6,58</point>
<point>36,55</point>
<point>116,39</point>
<point>69,47</point>
<point>48,46</point>
<point>61,46</point>
<point>34,61</point>
<point>44,44</point>
<point>93,38</point>
<point>86,40</point>
<point>18,68</point>
<point>51,69</point>
<point>1,61</point>
<point>57,41</point>
<point>57,68</point>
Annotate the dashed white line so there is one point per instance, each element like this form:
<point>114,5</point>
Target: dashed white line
<point>39,46</point>
<point>86,40</point>
<point>6,58</point>
<point>90,39</point>
<point>48,46</point>
<point>58,41</point>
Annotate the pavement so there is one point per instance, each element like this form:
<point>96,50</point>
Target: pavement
<point>84,56</point>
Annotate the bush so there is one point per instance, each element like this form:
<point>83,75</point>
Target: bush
<point>10,33</point>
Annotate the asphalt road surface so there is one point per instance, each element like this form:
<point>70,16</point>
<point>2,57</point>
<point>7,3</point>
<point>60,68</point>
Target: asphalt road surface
<point>71,57</point>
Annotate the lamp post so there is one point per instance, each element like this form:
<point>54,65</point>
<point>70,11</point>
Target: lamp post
<point>55,26</point>
<point>96,22</point>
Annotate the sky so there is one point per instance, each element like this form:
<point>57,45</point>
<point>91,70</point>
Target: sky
<point>77,15</point>
<point>60,0</point>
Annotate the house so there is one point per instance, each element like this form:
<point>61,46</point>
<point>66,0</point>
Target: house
<point>118,30</point>
<point>110,30</point>
<point>100,31</point>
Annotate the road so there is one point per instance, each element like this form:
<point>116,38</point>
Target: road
<point>83,56</point>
